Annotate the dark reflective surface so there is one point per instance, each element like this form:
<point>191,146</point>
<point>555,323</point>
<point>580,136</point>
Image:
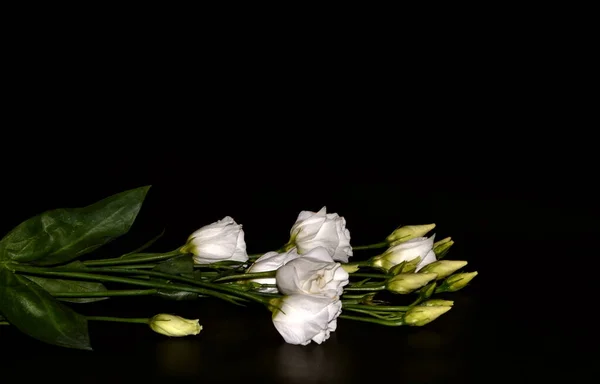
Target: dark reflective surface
<point>490,335</point>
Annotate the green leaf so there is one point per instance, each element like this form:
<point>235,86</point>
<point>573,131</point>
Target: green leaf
<point>61,285</point>
<point>146,245</point>
<point>61,235</point>
<point>34,312</point>
<point>179,265</point>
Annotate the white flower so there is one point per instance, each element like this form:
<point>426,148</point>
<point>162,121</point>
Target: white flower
<point>321,229</point>
<point>315,273</point>
<point>219,241</point>
<point>271,261</point>
<point>304,318</point>
<point>409,250</point>
<point>176,326</point>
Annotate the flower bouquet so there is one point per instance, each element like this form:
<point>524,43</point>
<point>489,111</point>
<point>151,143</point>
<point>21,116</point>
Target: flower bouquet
<point>46,270</point>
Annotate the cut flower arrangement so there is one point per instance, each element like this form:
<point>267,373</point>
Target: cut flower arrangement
<point>307,284</point>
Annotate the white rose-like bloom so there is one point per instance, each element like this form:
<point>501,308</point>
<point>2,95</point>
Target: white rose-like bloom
<point>304,318</point>
<point>315,273</point>
<point>418,247</point>
<point>322,229</point>
<point>271,261</point>
<point>219,241</point>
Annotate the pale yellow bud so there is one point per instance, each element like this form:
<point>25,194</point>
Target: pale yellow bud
<point>404,283</point>
<point>408,232</point>
<point>443,268</point>
<point>421,315</point>
<point>175,326</point>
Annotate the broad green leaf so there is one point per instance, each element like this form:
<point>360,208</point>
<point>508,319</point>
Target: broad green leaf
<point>61,285</point>
<point>34,312</point>
<point>61,235</point>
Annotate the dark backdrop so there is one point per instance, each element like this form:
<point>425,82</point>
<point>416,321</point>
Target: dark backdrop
<point>511,223</point>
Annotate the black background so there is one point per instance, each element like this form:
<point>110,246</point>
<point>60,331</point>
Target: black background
<point>513,225</point>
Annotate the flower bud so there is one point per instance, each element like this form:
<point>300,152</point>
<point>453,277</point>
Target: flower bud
<point>457,281</point>
<point>404,283</point>
<point>406,251</point>
<point>421,315</point>
<point>442,247</point>
<point>171,325</point>
<point>427,291</point>
<point>405,266</point>
<point>408,232</point>
<point>443,268</point>
<point>437,303</point>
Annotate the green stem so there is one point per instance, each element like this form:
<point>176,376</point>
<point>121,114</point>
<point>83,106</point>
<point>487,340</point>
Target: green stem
<point>384,315</point>
<point>419,299</point>
<point>147,244</point>
<point>215,287</point>
<point>389,323</point>
<point>383,244</point>
<point>124,292</point>
<point>363,288</point>
<point>136,266</point>
<point>245,276</point>
<point>373,275</point>
<point>365,263</point>
<point>4,323</point>
<point>356,296</point>
<point>125,280</point>
<point>134,258</point>
<point>119,319</point>
<point>378,308</point>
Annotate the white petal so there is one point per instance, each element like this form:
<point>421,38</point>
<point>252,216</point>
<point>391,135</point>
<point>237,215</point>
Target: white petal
<point>430,258</point>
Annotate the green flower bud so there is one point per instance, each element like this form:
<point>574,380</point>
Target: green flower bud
<point>427,291</point>
<point>421,315</point>
<point>408,232</point>
<point>171,325</point>
<point>442,247</point>
<point>404,283</point>
<point>443,268</point>
<point>457,281</point>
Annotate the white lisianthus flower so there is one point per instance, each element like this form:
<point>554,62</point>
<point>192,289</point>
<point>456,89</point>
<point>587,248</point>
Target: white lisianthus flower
<point>219,241</point>
<point>409,250</point>
<point>315,273</point>
<point>303,318</point>
<point>321,229</point>
<point>271,261</point>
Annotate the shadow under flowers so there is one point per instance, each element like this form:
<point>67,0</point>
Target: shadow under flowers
<point>312,363</point>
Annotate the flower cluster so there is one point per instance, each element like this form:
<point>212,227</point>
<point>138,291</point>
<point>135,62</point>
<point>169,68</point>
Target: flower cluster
<point>312,269</point>
<point>306,271</point>
<point>308,284</point>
